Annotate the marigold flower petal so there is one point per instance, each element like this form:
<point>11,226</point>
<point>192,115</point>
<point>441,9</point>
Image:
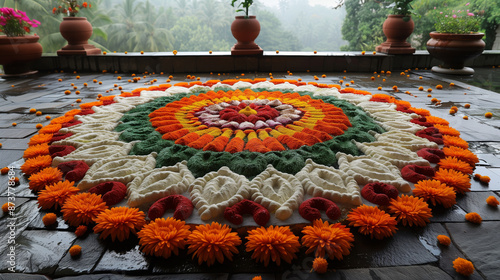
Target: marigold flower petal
<point>162,237</point>
<point>461,154</point>
<point>411,210</point>
<point>463,266</point>
<point>273,243</point>
<point>372,221</point>
<point>45,177</point>
<point>473,217</point>
<point>444,240</point>
<point>323,238</point>
<point>435,192</point>
<point>36,164</point>
<point>456,164</point>
<point>213,242</point>
<point>56,194</point>
<point>459,181</point>
<point>82,208</point>
<point>119,222</point>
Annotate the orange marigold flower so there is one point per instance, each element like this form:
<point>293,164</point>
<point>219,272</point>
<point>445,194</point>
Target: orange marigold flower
<point>5,170</point>
<point>213,242</point>
<point>334,239</point>
<point>444,240</point>
<point>80,230</point>
<point>36,164</point>
<point>436,120</point>
<point>446,130</point>
<point>119,222</point>
<point>45,177</point>
<point>372,221</point>
<point>436,192</point>
<point>420,111</point>
<point>40,139</point>
<point>49,219</point>
<point>7,205</point>
<point>320,265</point>
<point>50,129</point>
<point>439,87</point>
<point>463,266</point>
<point>454,163</point>
<point>455,141</point>
<point>75,250</point>
<point>55,195</point>
<point>461,154</point>
<point>274,242</point>
<point>411,210</point>
<point>82,208</point>
<point>473,217</point>
<point>484,179</point>
<point>163,236</point>
<point>488,115</point>
<point>459,181</point>
<point>492,201</point>
<point>257,278</point>
<point>36,150</point>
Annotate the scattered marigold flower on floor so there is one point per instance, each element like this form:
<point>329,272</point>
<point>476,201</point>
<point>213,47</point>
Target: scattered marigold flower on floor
<point>452,111</point>
<point>80,230</point>
<point>82,208</point>
<point>463,266</point>
<point>488,115</point>
<point>119,222</point>
<point>492,201</point>
<point>473,217</point>
<point>444,240</point>
<point>213,242</point>
<point>465,117</point>
<point>439,87</point>
<point>257,278</point>
<point>467,106</point>
<point>379,88</point>
<point>7,205</point>
<point>45,177</point>
<point>49,219</point>
<point>435,192</point>
<point>410,210</point>
<point>363,53</point>
<point>372,78</point>
<point>323,238</point>
<point>36,164</point>
<point>163,236</point>
<point>32,110</point>
<point>54,196</point>
<point>421,88</point>
<point>75,250</point>
<point>452,84</point>
<point>14,124</point>
<point>429,90</point>
<point>374,52</point>
<point>320,265</point>
<point>372,221</point>
<point>4,170</point>
<point>272,243</point>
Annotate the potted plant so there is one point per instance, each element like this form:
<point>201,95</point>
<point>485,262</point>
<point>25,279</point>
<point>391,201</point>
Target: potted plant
<point>397,28</point>
<point>76,30</point>
<point>456,40</point>
<point>17,49</point>
<point>245,30</point>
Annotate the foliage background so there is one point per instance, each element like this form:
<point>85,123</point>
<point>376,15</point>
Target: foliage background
<point>203,25</point>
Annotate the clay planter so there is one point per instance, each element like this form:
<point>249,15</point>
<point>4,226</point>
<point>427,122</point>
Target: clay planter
<point>397,31</point>
<point>245,31</point>
<point>77,31</point>
<point>17,54</point>
<point>454,50</point>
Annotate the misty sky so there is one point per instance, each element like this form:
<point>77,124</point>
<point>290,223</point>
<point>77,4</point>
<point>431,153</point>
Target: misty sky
<point>327,3</point>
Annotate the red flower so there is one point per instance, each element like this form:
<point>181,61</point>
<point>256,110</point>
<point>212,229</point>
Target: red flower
<point>54,10</point>
<point>85,4</point>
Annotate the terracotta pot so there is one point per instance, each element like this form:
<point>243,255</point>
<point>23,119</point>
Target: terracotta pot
<point>245,31</point>
<point>455,49</point>
<point>17,53</point>
<point>397,30</point>
<point>77,31</point>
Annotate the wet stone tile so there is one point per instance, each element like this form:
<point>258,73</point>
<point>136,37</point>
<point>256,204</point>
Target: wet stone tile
<point>19,276</point>
<point>404,248</point>
<point>452,214</point>
<point>131,260</point>
<point>92,250</point>
<point>391,273</point>
<point>14,144</point>
<point>18,202</point>
<point>8,156</point>
<point>493,185</point>
<point>37,222</point>
<point>476,202</point>
<point>250,276</point>
<point>445,254</point>
<point>211,276</point>
<point>39,251</point>
<point>14,225</point>
<point>480,244</point>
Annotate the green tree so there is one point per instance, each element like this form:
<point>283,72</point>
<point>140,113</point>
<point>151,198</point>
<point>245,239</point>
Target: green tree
<point>490,10</point>
<point>362,27</point>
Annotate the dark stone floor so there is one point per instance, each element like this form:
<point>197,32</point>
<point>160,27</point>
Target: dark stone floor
<point>42,253</point>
